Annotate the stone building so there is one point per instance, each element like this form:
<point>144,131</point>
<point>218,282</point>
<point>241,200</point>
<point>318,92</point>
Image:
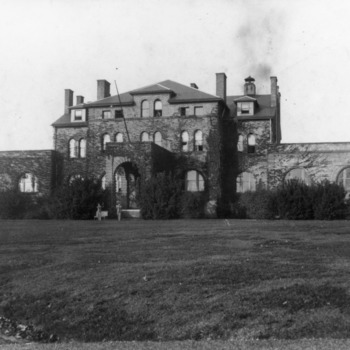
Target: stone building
<point>217,144</point>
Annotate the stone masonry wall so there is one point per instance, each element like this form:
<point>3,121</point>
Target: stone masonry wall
<point>42,164</point>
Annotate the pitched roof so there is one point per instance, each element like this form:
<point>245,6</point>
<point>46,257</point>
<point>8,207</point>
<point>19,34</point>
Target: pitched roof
<point>64,121</point>
<point>263,111</point>
<point>179,93</point>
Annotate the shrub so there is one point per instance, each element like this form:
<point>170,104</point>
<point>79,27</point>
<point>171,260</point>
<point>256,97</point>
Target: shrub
<point>14,204</point>
<point>256,205</point>
<point>160,197</point>
<point>294,201</point>
<point>192,205</point>
<point>77,200</point>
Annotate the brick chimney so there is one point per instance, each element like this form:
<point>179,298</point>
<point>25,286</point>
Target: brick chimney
<point>103,89</point>
<point>68,100</point>
<point>274,91</point>
<point>80,100</point>
<point>221,85</point>
<point>194,85</point>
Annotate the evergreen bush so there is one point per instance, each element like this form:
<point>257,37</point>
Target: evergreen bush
<point>193,205</point>
<point>15,204</point>
<point>160,197</point>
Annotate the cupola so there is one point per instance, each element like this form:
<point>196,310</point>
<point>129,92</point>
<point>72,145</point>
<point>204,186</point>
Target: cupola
<point>249,86</point>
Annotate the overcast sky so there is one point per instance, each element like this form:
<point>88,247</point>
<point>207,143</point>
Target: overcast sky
<point>48,46</point>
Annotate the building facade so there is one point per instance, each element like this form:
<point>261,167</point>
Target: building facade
<point>217,144</point>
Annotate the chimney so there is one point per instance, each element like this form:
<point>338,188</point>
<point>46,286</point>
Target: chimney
<point>68,100</point>
<point>103,89</point>
<point>80,100</point>
<point>221,85</point>
<point>274,91</point>
<point>194,85</point>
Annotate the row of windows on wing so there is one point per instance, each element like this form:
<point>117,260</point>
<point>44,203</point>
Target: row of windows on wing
<point>247,182</point>
<point>251,143</point>
<point>158,139</point>
<point>194,181</point>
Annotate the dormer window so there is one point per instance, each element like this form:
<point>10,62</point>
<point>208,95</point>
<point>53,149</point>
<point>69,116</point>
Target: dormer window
<point>245,108</point>
<point>78,115</point>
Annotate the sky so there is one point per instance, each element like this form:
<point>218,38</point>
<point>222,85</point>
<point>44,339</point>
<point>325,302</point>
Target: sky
<point>51,45</point>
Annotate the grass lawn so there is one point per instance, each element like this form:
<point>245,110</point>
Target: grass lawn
<point>177,280</point>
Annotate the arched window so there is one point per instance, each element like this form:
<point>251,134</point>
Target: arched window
<point>119,137</point>
<point>240,143</point>
<point>106,138</point>
<point>344,179</point>
<point>157,108</point>
<point>144,137</point>
<point>120,179</point>
<point>28,183</point>
<point>73,148</point>
<point>298,174</point>
<point>198,140</point>
<point>246,182</point>
<point>82,148</point>
<point>251,143</point>
<point>103,182</point>
<point>144,109</point>
<point>158,138</point>
<point>194,181</point>
<point>74,177</point>
<point>184,141</point>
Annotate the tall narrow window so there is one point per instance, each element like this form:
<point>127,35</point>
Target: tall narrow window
<point>184,141</point>
<point>103,182</point>
<point>144,109</point>
<point>198,141</point>
<point>105,140</point>
<point>82,148</point>
<point>157,108</point>
<point>240,143</point>
<point>144,137</point>
<point>158,138</point>
<point>251,143</point>
<point>119,137</point>
<point>246,182</point>
<point>344,179</point>
<point>28,183</point>
<point>298,174</point>
<point>194,181</point>
<point>73,145</point>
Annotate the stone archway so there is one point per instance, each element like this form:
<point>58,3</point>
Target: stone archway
<point>127,185</point>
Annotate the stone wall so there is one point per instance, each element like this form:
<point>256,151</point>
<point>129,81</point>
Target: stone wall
<point>41,164</point>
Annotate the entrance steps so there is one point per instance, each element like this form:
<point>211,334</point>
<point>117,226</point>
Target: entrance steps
<point>131,213</point>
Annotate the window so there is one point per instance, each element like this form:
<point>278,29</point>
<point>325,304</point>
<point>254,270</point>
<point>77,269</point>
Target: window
<point>144,137</point>
<point>158,138</point>
<point>119,178</point>
<point>28,183</point>
<point>344,179</point>
<point>194,181</point>
<point>106,138</point>
<point>240,143</point>
<point>184,141</point>
<point>78,115</point>
<point>198,140</point>
<point>73,149</point>
<point>183,111</point>
<point>298,174</point>
<point>119,114</point>
<point>144,109</point>
<point>251,143</point>
<point>245,108</point>
<point>82,148</point>
<point>106,114</point>
<point>198,111</point>
<point>119,137</point>
<point>157,108</point>
<point>75,177</point>
<point>103,182</point>
<point>245,182</point>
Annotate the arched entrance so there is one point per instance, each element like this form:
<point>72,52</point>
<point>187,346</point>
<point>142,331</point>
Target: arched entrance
<point>127,185</point>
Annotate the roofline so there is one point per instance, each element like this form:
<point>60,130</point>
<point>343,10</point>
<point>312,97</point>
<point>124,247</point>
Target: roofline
<point>151,92</point>
<point>209,99</point>
<point>255,118</point>
<point>69,125</point>
<point>105,104</point>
